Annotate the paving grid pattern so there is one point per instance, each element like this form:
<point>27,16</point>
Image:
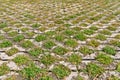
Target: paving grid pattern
<point>65,19</point>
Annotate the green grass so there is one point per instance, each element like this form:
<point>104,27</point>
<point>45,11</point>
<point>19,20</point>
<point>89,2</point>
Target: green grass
<point>4,69</point>
<point>3,25</point>
<point>69,32</point>
<point>118,67</point>
<point>94,70</point>
<point>67,25</point>
<point>50,33</point>
<point>70,17</point>
<point>5,43</point>
<point>18,38</point>
<point>24,29</point>
<point>93,43</point>
<point>60,50</point>
<point>94,18</point>
<point>31,71</point>
<point>42,29</point>
<point>7,29</point>
<point>36,25</point>
<point>104,59</point>
<point>76,28</point>
<point>88,31</point>
<point>30,34</point>
<point>12,51</point>
<point>117,36</point>
<point>61,71</point>
<point>39,38</point>
<point>36,51</point>
<point>2,37</point>
<point>29,16</point>
<point>71,43</point>
<point>21,60</point>
<point>105,32</point>
<point>84,25</point>
<point>80,36</point>
<point>60,28</point>
<point>59,22</point>
<point>75,59</point>
<point>85,50</point>
<point>59,37</point>
<point>47,59</point>
<point>12,33</point>
<point>100,37</point>
<point>111,28</point>
<point>109,50</point>
<point>49,44</point>
<point>93,28</point>
<point>27,44</point>
<point>115,42</point>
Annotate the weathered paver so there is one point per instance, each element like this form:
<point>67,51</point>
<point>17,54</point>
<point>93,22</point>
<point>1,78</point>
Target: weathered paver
<point>59,40</point>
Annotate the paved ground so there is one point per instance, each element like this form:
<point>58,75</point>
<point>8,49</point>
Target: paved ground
<point>60,40</point>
